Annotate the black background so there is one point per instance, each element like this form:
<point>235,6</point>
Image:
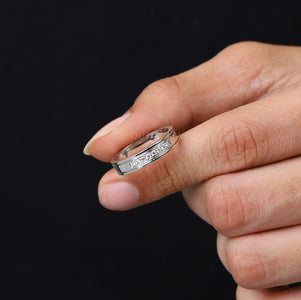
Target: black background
<point>69,68</point>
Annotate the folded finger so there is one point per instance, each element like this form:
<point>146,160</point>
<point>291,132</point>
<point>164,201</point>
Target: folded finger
<point>263,260</point>
<point>249,201</point>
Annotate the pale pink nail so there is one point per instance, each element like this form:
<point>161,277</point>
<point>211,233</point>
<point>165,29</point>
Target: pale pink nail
<point>119,195</point>
<point>105,130</point>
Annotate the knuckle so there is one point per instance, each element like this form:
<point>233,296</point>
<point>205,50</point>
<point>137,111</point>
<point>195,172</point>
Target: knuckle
<point>247,268</point>
<point>238,145</point>
<point>245,62</point>
<point>163,88</point>
<point>246,51</point>
<point>225,206</point>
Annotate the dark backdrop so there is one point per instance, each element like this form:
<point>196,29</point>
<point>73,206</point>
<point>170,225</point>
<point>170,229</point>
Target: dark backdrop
<point>68,68</point>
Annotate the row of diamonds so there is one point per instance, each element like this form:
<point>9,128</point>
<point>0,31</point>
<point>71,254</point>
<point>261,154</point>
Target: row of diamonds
<point>145,158</point>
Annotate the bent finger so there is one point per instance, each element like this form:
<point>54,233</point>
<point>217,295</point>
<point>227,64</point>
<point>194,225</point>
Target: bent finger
<point>252,200</point>
<point>263,260</point>
<point>236,76</point>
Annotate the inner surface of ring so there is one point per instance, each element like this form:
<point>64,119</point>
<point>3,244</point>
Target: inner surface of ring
<point>142,144</point>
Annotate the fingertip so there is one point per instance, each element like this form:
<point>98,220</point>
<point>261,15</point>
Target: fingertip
<point>117,194</point>
<point>104,148</point>
<point>89,149</point>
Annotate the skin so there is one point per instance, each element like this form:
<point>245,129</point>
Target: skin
<point>238,161</point>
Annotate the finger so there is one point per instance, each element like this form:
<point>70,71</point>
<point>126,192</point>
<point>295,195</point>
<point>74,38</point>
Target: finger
<point>263,260</point>
<point>234,77</point>
<point>282,293</point>
<point>252,200</point>
<point>251,135</point>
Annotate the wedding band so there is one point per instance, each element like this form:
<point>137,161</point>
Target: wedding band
<point>145,150</point>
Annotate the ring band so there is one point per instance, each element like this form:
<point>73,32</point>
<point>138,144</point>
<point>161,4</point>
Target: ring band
<point>145,150</point>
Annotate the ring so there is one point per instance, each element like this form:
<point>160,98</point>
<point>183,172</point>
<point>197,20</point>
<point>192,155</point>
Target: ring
<point>145,150</point>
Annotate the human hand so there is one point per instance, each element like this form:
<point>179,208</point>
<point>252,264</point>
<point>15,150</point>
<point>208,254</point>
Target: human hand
<point>238,161</point>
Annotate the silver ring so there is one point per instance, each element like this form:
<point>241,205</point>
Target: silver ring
<point>146,150</point>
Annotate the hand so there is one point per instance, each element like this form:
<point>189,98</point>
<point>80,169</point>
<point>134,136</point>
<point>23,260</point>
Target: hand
<point>238,160</point>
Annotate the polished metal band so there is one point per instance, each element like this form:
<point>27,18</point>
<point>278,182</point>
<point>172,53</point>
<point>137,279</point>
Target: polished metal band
<point>145,150</point>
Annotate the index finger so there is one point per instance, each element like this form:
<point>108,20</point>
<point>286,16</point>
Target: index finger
<point>234,77</point>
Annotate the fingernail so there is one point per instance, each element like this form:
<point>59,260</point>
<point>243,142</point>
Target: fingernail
<point>105,130</point>
<point>119,195</point>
